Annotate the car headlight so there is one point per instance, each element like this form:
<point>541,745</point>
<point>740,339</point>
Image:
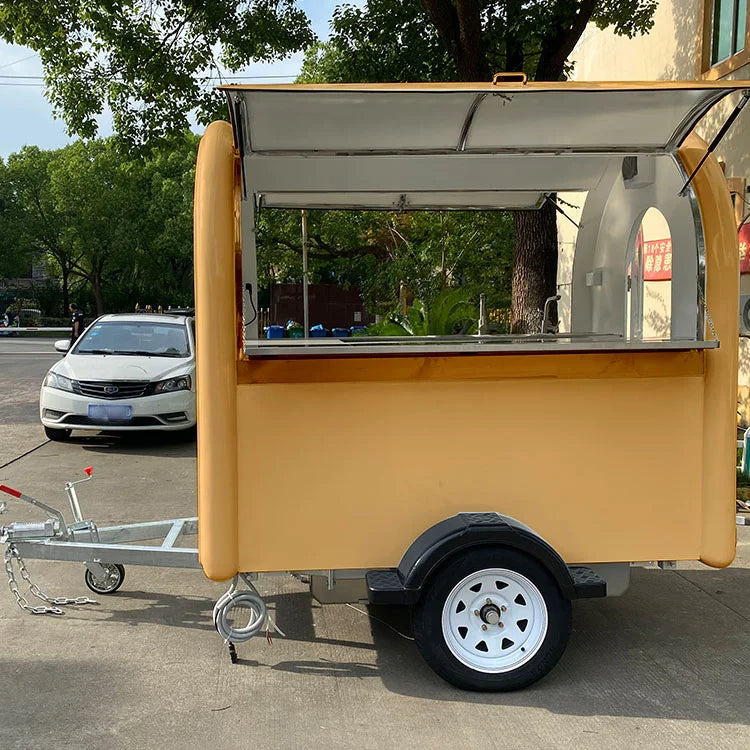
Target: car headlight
<point>181,383</point>
<point>55,380</point>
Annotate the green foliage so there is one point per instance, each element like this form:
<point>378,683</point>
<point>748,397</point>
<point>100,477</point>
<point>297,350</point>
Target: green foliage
<point>448,312</point>
<point>21,303</point>
<point>154,61</point>
<point>385,253</point>
<point>32,230</point>
<point>433,40</point>
<point>629,18</point>
<point>149,61</point>
<point>389,40</point>
<point>112,228</point>
<point>14,261</point>
<point>384,40</point>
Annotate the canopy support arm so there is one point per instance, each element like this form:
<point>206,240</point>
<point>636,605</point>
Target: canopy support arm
<point>557,207</point>
<point>717,138</point>
<point>236,109</point>
<point>463,137</point>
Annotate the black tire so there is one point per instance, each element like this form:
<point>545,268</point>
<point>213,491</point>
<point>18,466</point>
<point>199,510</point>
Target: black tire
<point>58,435</point>
<point>116,576</point>
<point>428,621</point>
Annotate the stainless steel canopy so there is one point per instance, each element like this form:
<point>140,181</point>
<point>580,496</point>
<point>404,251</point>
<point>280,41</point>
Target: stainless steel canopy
<point>421,146</point>
<point>473,118</point>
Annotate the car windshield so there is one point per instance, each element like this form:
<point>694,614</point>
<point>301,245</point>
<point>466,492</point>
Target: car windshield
<point>135,338</point>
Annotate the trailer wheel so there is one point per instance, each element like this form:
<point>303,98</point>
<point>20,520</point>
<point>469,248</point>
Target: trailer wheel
<point>114,575</point>
<point>492,619</point>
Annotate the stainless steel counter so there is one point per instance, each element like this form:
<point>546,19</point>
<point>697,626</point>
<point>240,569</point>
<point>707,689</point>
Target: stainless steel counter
<point>437,345</point>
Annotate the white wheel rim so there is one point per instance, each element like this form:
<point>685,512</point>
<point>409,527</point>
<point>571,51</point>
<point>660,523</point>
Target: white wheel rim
<point>509,628</point>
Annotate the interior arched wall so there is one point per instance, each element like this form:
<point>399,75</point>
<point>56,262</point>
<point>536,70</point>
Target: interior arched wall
<point>609,221</point>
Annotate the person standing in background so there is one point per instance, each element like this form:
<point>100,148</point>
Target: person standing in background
<point>76,321</point>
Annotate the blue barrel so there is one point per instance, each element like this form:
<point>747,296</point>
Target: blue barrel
<point>318,332</point>
<point>275,332</point>
<point>339,333</point>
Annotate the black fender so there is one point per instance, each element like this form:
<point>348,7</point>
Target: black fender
<point>430,549</point>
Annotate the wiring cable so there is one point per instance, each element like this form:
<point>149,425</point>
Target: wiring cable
<point>249,290</point>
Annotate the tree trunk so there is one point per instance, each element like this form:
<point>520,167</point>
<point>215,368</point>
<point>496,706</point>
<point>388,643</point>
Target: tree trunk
<point>459,25</point>
<point>96,288</point>
<point>534,268</point>
<point>65,272</point>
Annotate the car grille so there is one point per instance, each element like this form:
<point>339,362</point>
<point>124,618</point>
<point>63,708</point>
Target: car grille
<point>74,419</point>
<point>111,389</point>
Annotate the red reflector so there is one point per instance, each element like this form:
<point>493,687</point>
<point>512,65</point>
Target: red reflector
<point>88,471</point>
<point>10,491</point>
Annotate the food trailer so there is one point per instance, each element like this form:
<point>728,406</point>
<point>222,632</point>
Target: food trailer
<point>424,473</point>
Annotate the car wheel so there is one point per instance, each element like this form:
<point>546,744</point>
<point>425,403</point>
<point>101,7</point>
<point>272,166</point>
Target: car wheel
<point>55,434</point>
<point>492,619</point>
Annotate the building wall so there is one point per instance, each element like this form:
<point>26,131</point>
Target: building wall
<point>670,51</point>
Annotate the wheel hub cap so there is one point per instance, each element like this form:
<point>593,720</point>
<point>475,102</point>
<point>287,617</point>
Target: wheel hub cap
<point>494,620</point>
<point>490,613</point>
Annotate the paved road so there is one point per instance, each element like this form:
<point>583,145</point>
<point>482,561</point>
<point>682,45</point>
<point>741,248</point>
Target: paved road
<point>23,364</point>
<point>665,666</point>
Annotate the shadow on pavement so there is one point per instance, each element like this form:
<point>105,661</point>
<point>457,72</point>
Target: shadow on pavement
<point>669,648</point>
<point>292,612</point>
<point>666,649</point>
<point>178,444</point>
<point>326,668</point>
<point>155,609</point>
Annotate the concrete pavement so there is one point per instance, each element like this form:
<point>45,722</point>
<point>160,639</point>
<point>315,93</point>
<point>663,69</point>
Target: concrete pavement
<point>23,364</point>
<point>665,666</point>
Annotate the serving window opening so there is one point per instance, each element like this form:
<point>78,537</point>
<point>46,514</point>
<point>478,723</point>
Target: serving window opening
<point>346,280</point>
<point>408,240</point>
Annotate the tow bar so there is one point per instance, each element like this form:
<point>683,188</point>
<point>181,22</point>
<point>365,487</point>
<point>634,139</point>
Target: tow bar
<point>105,551</point>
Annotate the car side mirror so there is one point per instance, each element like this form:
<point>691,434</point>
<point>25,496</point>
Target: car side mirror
<point>62,345</point>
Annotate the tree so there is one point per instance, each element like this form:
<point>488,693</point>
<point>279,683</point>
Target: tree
<point>108,224</point>
<point>150,61</point>
<point>398,41</point>
<point>129,220</point>
<point>38,227</point>
<point>98,200</point>
<point>14,259</point>
<point>391,256</point>
<point>163,259</point>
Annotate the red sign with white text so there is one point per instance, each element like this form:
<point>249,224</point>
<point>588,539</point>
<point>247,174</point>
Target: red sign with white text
<point>657,256</point>
<point>744,238</point>
<point>657,260</point>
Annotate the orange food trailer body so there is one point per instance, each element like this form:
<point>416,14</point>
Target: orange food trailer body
<point>486,481</point>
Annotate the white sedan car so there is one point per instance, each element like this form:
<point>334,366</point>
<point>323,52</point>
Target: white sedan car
<point>126,372</point>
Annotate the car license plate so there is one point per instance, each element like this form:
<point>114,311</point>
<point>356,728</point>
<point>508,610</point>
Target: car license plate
<point>107,413</point>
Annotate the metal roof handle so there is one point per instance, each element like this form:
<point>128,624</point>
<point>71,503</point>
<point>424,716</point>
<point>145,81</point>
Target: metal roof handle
<point>509,78</point>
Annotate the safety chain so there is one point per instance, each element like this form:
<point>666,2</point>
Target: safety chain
<point>708,314</point>
<point>12,553</point>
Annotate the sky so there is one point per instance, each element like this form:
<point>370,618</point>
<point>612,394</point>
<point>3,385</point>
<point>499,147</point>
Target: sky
<point>27,118</point>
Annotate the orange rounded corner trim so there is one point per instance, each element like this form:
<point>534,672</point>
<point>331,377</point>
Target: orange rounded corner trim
<point>216,351</point>
<point>719,533</point>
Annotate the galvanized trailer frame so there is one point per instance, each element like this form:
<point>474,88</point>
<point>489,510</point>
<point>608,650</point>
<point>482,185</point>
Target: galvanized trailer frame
<point>84,541</point>
<point>113,544</point>
<point>104,551</point>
